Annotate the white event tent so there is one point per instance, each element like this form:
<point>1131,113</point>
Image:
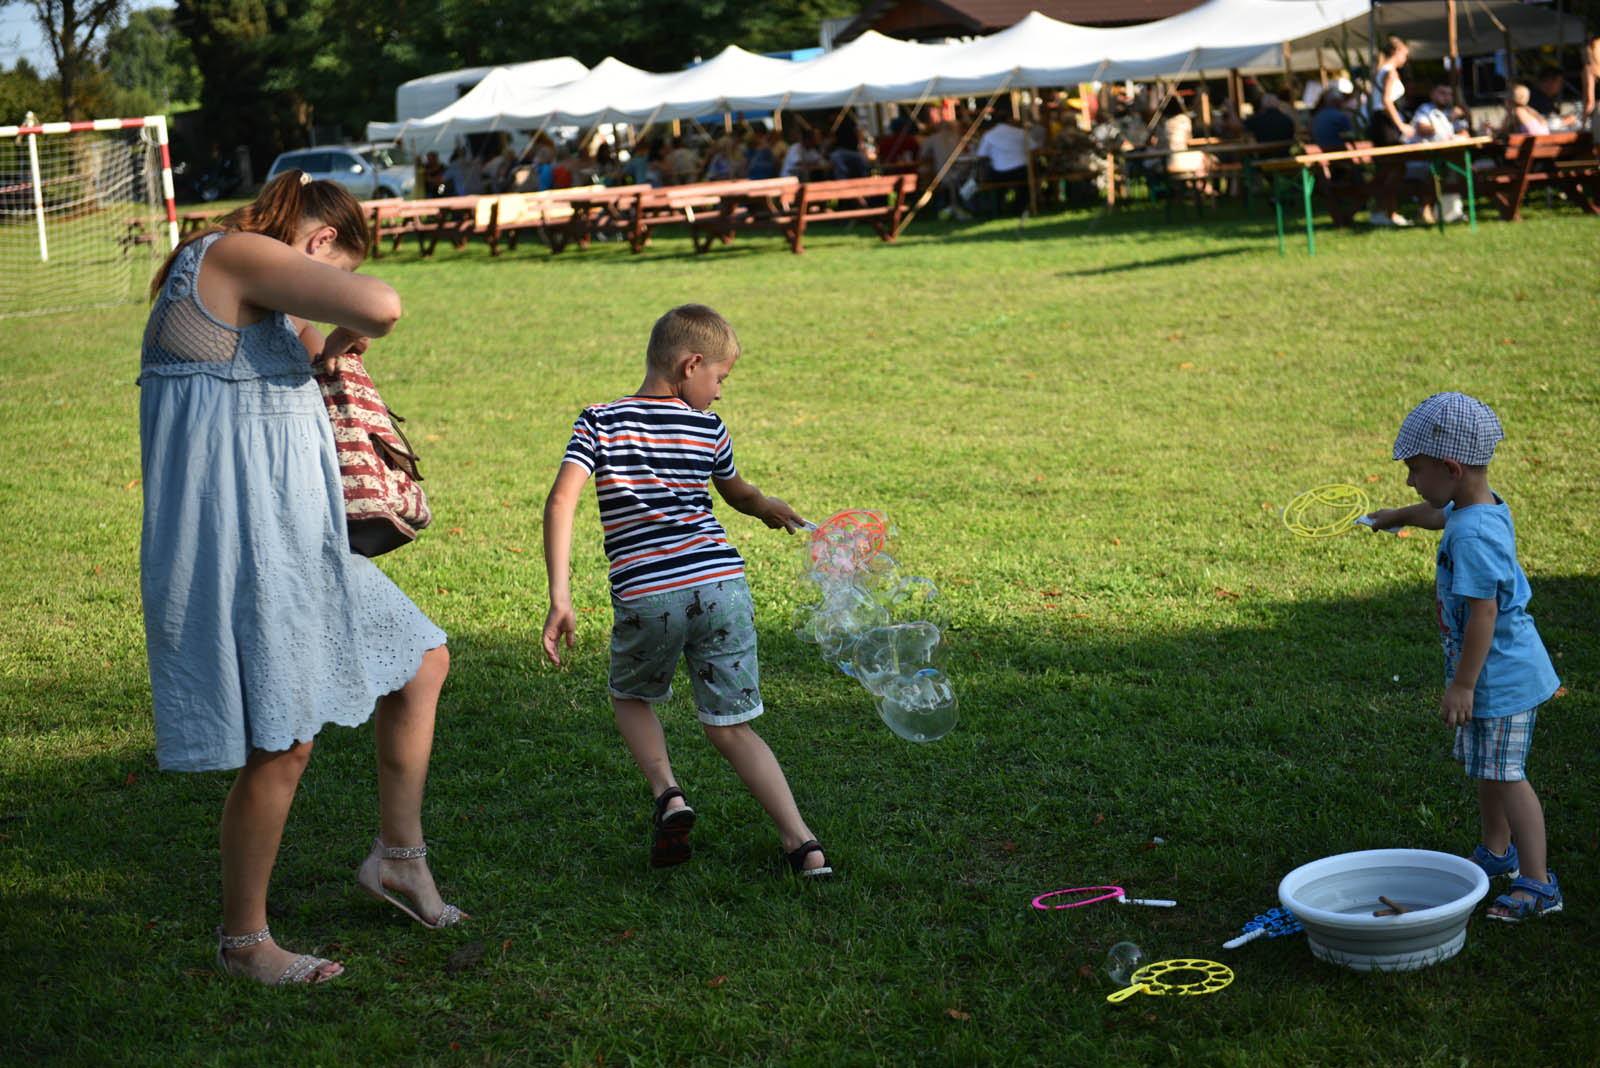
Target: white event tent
<point>1037,52</point>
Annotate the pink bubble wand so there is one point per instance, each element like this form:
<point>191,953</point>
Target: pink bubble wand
<point>1116,893</point>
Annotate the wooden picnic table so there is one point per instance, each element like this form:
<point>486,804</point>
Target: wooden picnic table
<point>429,220</point>
<point>593,210</point>
<point>1439,155</point>
<point>788,206</point>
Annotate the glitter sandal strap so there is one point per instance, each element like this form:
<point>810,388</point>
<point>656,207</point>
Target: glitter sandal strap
<point>244,941</point>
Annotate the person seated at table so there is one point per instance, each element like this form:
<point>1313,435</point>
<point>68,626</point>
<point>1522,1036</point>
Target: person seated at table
<point>682,163</point>
<point>1520,118</point>
<point>1544,95</point>
<point>724,162</point>
<point>1331,131</point>
<point>1134,117</point>
<point>497,166</point>
<point>845,154</point>
<point>433,175</point>
<point>1331,125</point>
<point>759,161</point>
<point>647,164</point>
<point>1591,86</point>
<point>1172,137</point>
<point>804,159</point>
<point>1270,122</point>
<point>607,171</point>
<point>1436,120</point>
<point>901,144</point>
<point>939,143</point>
<point>1226,125</point>
<point>1003,155</point>
<point>463,177</point>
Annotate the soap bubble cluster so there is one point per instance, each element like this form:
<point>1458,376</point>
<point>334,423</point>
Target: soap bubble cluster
<point>854,624</point>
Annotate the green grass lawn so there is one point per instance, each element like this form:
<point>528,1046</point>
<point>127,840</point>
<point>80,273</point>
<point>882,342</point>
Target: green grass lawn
<point>1084,430</point>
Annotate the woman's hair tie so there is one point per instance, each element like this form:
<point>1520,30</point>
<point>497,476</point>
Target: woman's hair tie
<point>305,179</point>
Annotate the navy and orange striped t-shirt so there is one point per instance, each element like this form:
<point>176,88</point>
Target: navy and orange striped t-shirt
<point>652,459</point>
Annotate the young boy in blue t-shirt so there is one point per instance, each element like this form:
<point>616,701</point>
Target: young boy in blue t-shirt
<point>1497,671</point>
<point>677,585</point>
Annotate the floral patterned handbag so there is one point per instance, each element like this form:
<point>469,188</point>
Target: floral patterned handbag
<point>383,499</point>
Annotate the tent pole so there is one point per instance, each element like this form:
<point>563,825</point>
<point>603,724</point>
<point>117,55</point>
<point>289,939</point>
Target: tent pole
<point>1455,57</point>
<point>1372,46</point>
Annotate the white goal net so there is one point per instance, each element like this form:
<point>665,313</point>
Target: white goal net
<point>86,213</point>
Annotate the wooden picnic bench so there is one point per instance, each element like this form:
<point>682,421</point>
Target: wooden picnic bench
<point>429,220</point>
<point>1564,161</point>
<point>189,222</point>
<point>543,213</point>
<point>881,199</point>
<point>664,205</point>
<point>593,210</point>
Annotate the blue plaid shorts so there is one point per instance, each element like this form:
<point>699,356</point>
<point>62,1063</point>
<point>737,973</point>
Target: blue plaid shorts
<point>1496,749</point>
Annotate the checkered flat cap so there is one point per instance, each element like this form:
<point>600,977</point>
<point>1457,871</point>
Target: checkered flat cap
<point>1450,426</point>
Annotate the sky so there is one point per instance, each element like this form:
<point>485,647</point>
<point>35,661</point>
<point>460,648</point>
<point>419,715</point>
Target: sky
<point>20,37</point>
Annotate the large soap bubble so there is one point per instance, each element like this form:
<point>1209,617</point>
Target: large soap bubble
<point>852,624</point>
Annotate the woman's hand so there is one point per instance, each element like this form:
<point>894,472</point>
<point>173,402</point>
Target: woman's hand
<point>342,341</point>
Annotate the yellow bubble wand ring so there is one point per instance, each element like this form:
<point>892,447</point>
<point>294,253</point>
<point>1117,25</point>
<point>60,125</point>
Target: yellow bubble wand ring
<point>1324,511</point>
<point>1147,980</point>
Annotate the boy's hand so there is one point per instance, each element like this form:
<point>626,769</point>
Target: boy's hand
<point>1385,519</point>
<point>1456,708</point>
<point>779,516</point>
<point>560,621</point>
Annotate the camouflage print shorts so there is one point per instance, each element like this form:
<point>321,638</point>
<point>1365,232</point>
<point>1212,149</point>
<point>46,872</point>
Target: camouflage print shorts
<point>714,628</point>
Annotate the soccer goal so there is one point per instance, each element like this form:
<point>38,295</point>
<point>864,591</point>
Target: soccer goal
<point>86,212</point>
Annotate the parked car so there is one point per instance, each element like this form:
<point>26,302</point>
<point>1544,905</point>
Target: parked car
<point>369,171</point>
<point>205,182</point>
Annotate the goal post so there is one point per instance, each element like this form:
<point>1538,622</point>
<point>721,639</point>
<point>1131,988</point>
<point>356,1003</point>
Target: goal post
<point>87,212</point>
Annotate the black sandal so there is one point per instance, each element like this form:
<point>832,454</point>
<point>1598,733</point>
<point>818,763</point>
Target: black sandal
<point>671,844</point>
<point>797,860</point>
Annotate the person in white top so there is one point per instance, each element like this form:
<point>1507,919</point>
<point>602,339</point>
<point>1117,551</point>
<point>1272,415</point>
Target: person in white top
<point>1003,150</point>
<point>804,160</point>
<point>1386,126</point>
<point>1435,121</point>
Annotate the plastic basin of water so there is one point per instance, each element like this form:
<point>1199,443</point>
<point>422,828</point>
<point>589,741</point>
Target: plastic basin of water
<point>1335,897</point>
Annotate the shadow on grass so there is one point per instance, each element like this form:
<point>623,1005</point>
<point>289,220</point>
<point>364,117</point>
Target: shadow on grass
<point>1297,729</point>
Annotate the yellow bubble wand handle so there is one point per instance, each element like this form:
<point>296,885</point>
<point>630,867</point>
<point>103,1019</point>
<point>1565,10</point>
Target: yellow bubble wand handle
<point>1128,991</point>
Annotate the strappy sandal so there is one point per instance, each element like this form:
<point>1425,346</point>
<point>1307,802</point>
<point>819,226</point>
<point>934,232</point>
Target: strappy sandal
<point>1493,864</point>
<point>303,969</point>
<point>797,860</point>
<point>370,876</point>
<point>1546,899</point>
<point>671,843</point>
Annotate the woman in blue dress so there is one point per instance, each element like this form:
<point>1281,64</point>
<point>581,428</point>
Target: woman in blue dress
<point>261,626</point>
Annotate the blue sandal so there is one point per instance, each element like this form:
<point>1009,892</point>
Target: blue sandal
<point>1546,899</point>
<point>1493,864</point>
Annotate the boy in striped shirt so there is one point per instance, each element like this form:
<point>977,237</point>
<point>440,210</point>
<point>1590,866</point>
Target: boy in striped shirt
<point>677,585</point>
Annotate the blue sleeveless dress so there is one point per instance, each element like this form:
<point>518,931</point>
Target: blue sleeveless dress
<point>261,625</point>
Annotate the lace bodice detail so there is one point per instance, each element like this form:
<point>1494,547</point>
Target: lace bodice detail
<point>183,338</point>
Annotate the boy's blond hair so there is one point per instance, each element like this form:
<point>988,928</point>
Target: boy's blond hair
<point>690,328</point>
